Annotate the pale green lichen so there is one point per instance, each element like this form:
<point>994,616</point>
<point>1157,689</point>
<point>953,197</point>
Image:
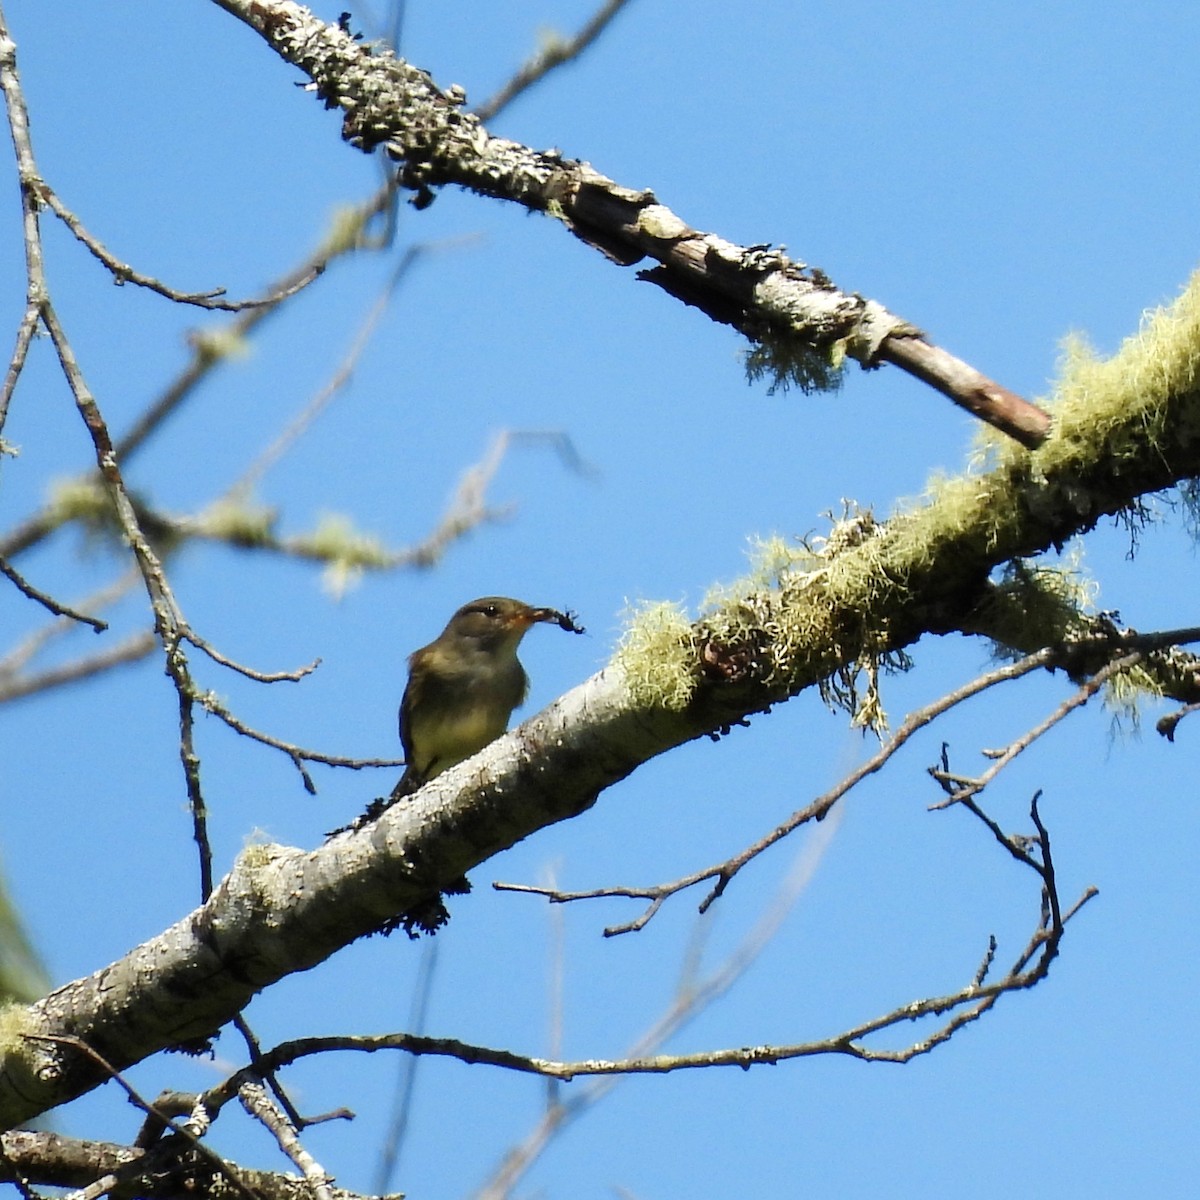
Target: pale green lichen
<point>84,500</point>
<point>249,874</point>
<point>788,361</point>
<point>258,853</point>
<point>821,608</point>
<point>767,633</point>
<point>345,231</point>
<point>657,656</point>
<point>238,522</point>
<point>15,1022</point>
<point>1039,604</point>
<point>346,552</point>
<point>768,611</point>
<point>1114,406</point>
<point>771,558</point>
<point>1126,692</point>
<point>225,342</point>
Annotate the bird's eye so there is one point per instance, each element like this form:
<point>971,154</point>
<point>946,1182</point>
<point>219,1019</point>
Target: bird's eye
<point>490,610</point>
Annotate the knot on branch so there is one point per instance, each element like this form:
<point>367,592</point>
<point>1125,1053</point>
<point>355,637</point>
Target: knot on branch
<point>739,661</point>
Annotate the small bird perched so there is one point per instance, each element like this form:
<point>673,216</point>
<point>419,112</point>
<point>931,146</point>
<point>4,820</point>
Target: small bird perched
<point>462,687</point>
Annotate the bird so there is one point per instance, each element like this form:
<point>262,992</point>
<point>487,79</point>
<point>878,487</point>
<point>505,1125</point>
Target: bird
<point>463,687</point>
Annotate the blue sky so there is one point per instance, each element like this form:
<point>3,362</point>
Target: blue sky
<point>999,174</point>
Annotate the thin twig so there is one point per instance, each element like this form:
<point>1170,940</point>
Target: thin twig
<point>123,273</point>
<point>25,650</point>
<point>298,754</point>
<point>299,673</point>
<point>190,762</point>
<point>146,1106</point>
<point>555,53</point>
<point>48,602</point>
<point>724,872</point>
<point>134,648</point>
<point>255,1048</point>
<point>27,177</point>
<point>258,1104</point>
<point>26,330</point>
<point>962,790</point>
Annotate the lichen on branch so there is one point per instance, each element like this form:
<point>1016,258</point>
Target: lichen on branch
<point>811,612</point>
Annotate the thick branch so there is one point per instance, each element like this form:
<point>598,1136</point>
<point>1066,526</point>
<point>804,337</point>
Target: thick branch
<point>808,324</point>
<point>283,910</point>
<point>166,1171</point>
<point>876,588</point>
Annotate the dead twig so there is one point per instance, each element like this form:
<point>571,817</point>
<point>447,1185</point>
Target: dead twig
<point>123,273</point>
<point>258,1105</point>
<point>724,872</point>
<point>554,53</point>
<point>183,1131</point>
<point>46,601</point>
<point>298,754</point>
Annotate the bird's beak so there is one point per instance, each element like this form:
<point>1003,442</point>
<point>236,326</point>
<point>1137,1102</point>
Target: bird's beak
<point>525,617</point>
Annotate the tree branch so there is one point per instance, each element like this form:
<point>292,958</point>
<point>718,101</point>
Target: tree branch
<point>554,54</point>
<point>164,1172</point>
<point>48,602</point>
<point>1125,431</point>
<point>873,588</point>
<point>804,325</point>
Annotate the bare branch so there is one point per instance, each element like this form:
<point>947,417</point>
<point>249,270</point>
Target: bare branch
<point>168,619</point>
<point>132,649</point>
<point>190,760</point>
<point>167,1171</point>
<point>803,324</point>
<point>258,1104</point>
<point>298,754</point>
<point>962,790</point>
<point>960,1008</point>
<point>123,273</point>
<point>254,1047</point>
<point>250,673</point>
<point>817,810</point>
<point>554,53</point>
<point>183,1131</point>
<point>48,602</point>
